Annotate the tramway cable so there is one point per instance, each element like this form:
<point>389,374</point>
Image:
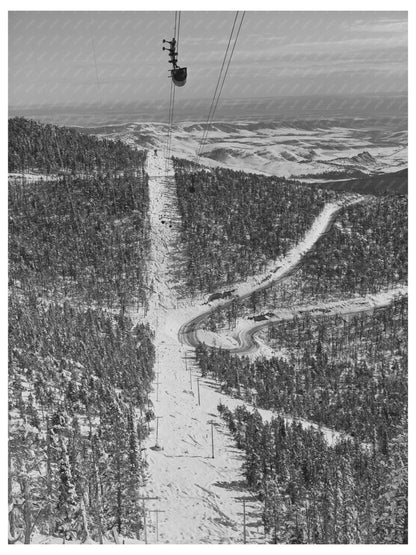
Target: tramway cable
<point>217,85</point>
<point>216,96</point>
<point>178,76</point>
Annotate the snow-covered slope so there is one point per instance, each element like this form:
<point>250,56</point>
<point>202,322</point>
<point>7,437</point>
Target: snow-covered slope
<point>276,148</point>
<point>201,496</point>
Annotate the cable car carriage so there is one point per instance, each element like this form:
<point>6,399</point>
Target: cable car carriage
<point>178,74</point>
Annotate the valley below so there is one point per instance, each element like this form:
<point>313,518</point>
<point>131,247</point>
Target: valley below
<point>269,311</point>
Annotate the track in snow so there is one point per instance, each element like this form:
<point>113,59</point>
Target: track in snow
<point>201,496</point>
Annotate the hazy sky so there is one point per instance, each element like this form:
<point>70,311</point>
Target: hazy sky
<point>52,60</point>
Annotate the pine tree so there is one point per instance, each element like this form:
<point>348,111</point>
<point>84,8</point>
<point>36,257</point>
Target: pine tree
<point>68,503</point>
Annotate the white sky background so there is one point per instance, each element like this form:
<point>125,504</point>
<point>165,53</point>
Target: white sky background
<point>111,57</point>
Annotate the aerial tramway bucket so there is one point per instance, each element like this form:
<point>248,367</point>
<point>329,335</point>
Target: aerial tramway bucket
<point>179,76</point>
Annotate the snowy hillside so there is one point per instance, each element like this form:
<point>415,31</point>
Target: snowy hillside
<point>282,149</point>
<point>208,473</point>
<point>195,471</point>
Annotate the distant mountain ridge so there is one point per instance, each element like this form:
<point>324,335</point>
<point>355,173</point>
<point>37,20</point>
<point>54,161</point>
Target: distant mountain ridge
<point>395,183</point>
<point>281,148</point>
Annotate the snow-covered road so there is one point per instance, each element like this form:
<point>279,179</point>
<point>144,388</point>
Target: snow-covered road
<point>242,339</point>
<point>275,272</point>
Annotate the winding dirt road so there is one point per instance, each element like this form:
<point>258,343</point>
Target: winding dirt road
<point>188,332</point>
<point>243,339</point>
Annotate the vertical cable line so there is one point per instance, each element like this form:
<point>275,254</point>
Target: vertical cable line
<point>176,30</point>
<point>215,99</point>
<point>229,62</point>
<point>169,117</point>
<point>179,28</point>
<point>171,121</point>
<point>216,88</point>
<point>169,135</point>
<point>175,24</point>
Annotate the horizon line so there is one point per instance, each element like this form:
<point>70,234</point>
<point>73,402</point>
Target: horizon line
<point>400,94</point>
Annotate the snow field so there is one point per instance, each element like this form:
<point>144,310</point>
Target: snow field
<point>201,496</point>
<point>272,150</point>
